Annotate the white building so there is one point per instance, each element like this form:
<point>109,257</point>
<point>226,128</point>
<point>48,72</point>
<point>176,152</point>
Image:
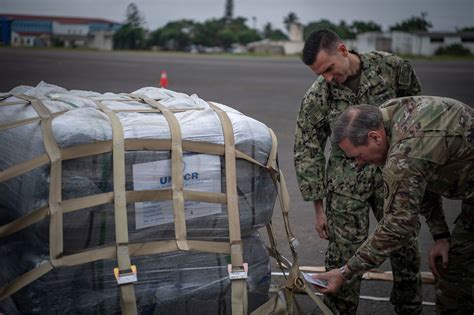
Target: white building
<point>419,43</point>
<point>282,47</point>
<point>37,30</point>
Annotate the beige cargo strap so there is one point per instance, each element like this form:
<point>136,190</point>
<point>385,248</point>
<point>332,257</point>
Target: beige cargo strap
<point>5,95</point>
<point>273,249</point>
<point>238,270</point>
<point>54,155</point>
<point>295,281</point>
<point>127,291</point>
<point>130,145</point>
<point>25,279</point>
<point>109,252</point>
<point>283,196</point>
<point>71,205</point>
<point>27,121</point>
<point>13,103</point>
<point>177,183</point>
<point>94,200</point>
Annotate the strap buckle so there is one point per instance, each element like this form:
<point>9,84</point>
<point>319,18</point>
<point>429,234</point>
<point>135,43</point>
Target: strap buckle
<point>238,273</point>
<point>294,242</point>
<point>126,276</point>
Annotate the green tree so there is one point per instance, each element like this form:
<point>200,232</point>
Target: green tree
<point>133,16</point>
<point>218,32</point>
<point>176,35</point>
<point>453,50</point>
<point>342,29</point>
<point>154,38</point>
<point>316,26</point>
<point>226,37</point>
<point>289,19</point>
<point>205,34</point>
<point>273,34</point>
<point>128,37</point>
<point>413,24</point>
<point>131,35</point>
<point>247,36</point>
<point>359,27</point>
<point>179,35</point>
<point>465,29</point>
<point>244,34</point>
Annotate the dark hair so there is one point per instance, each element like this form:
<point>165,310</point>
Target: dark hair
<point>319,40</point>
<point>355,123</point>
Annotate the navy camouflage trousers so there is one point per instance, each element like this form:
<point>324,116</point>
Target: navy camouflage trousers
<point>348,222</point>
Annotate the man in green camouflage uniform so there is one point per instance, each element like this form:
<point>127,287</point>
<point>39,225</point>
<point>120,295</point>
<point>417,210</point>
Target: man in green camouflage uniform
<point>347,78</point>
<point>426,145</point>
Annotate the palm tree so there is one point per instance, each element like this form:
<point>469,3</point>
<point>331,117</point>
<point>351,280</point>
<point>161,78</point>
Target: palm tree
<point>289,19</point>
<point>229,11</point>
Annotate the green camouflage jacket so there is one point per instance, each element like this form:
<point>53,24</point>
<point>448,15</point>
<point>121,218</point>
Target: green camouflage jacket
<point>384,76</point>
<point>431,155</point>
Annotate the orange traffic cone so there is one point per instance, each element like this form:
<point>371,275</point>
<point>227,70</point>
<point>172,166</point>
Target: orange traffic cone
<point>163,79</point>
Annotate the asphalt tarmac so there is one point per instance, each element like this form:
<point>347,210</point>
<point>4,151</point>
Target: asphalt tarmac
<point>267,89</point>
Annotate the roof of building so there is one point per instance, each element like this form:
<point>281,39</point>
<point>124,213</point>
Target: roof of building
<point>445,34</point>
<point>60,19</point>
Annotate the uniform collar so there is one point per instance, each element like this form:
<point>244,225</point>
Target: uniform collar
<point>387,120</point>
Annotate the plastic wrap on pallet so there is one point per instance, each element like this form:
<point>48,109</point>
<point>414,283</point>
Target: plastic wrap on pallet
<point>89,125</point>
<point>184,278</point>
<point>169,283</point>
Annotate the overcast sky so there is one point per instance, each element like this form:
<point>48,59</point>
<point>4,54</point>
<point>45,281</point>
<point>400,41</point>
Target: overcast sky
<point>445,15</point>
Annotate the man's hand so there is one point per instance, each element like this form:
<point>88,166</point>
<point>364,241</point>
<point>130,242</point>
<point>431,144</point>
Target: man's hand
<point>320,223</point>
<point>439,249</point>
<point>334,278</point>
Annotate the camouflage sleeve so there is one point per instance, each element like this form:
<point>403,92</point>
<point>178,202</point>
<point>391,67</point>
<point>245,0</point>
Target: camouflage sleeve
<point>431,208</point>
<point>407,80</point>
<point>404,188</point>
<point>312,131</point>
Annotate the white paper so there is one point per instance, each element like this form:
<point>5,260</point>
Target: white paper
<point>201,172</point>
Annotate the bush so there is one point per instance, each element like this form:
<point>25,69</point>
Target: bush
<point>453,50</point>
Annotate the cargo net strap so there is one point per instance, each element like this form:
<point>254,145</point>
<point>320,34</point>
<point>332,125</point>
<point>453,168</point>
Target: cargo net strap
<point>120,197</point>
<point>239,284</point>
<point>54,156</point>
<point>127,292</point>
<point>284,301</point>
<point>177,183</point>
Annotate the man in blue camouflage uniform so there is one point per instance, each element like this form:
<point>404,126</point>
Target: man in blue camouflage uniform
<point>347,78</point>
<point>426,147</point>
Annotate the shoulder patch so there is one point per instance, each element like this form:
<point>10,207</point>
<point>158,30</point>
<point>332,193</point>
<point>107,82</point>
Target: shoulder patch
<point>390,186</point>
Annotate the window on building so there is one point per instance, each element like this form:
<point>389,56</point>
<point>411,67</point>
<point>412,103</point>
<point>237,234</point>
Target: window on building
<point>467,39</point>
<point>437,39</point>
